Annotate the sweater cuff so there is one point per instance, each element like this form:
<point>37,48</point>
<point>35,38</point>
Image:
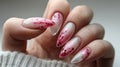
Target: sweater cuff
<point>16,59</point>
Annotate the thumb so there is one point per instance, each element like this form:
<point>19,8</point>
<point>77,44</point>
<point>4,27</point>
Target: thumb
<point>16,31</point>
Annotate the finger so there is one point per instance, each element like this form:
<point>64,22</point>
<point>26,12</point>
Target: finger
<point>82,38</point>
<point>99,50</point>
<point>57,13</point>
<point>16,31</point>
<point>78,18</point>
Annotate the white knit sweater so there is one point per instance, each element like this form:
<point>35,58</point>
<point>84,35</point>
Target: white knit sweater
<point>16,59</point>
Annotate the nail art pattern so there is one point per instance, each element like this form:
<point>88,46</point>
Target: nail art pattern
<point>43,24</point>
<point>65,34</point>
<point>81,56</point>
<point>71,46</point>
<point>57,18</point>
<point>64,52</point>
<point>61,38</point>
<point>37,23</point>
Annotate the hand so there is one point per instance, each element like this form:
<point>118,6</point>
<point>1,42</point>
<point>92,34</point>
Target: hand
<point>76,40</point>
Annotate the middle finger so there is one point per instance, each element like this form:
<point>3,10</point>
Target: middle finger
<point>78,18</point>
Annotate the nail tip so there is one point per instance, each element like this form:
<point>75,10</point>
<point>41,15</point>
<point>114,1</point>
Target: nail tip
<point>60,56</point>
<point>53,32</point>
<point>73,62</point>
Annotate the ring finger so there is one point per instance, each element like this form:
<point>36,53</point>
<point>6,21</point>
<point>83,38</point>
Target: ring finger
<point>82,38</point>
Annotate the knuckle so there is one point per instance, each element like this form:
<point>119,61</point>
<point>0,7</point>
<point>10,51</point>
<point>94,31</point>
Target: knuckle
<point>97,30</point>
<point>107,46</point>
<point>103,43</point>
<point>83,8</point>
<point>60,2</point>
<point>8,22</point>
<point>100,28</point>
<point>64,2</point>
<point>60,5</point>
<point>84,12</point>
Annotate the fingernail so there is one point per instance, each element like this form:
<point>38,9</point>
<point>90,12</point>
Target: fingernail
<point>57,18</point>
<point>37,23</point>
<point>65,34</point>
<point>82,55</point>
<point>71,46</point>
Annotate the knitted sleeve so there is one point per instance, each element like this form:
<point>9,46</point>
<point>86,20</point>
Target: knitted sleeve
<point>16,59</point>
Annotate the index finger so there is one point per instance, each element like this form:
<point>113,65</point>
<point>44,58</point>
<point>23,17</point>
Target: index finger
<point>57,11</point>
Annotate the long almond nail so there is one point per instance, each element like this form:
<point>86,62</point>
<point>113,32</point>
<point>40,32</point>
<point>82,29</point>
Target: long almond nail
<point>82,55</point>
<point>57,18</point>
<point>65,34</point>
<point>71,46</point>
<point>37,23</point>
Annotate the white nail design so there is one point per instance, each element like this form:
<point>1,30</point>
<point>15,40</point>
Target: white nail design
<point>80,56</point>
<point>65,34</point>
<point>71,46</point>
<point>37,23</point>
<point>57,18</point>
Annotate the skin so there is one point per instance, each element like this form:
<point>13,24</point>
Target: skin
<point>43,44</point>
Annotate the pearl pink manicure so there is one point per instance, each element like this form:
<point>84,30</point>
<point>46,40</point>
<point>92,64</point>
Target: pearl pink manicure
<point>71,46</point>
<point>65,34</point>
<point>37,23</point>
<point>82,55</point>
<point>57,18</point>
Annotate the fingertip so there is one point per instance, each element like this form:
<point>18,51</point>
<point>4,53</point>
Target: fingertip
<point>81,55</point>
<point>57,13</point>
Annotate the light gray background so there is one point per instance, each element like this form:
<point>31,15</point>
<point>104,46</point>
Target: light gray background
<point>106,12</point>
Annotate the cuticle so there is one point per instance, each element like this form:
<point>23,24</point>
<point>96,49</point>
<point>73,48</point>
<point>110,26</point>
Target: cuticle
<point>57,12</point>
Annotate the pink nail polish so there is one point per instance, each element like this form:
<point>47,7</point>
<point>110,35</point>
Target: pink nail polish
<point>82,55</point>
<point>37,23</point>
<point>65,34</point>
<point>57,18</point>
<point>70,47</point>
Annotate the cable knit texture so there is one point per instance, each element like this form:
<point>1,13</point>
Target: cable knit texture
<point>16,59</point>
